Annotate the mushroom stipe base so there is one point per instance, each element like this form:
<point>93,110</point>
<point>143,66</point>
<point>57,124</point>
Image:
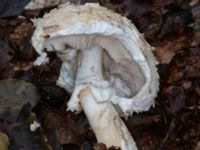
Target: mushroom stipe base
<point>105,122</point>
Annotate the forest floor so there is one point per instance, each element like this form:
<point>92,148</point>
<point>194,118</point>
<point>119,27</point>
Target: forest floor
<point>171,26</point>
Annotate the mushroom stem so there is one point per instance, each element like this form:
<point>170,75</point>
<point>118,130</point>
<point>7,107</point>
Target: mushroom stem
<point>90,66</point>
<point>105,122</point>
<point>103,118</point>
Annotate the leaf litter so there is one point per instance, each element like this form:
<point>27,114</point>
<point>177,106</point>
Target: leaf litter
<point>171,26</point>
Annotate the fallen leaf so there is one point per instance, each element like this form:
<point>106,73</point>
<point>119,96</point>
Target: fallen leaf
<point>168,49</point>
<point>138,8</point>
<point>141,13</point>
<point>197,89</point>
<point>175,20</point>
<point>196,13</point>
<point>175,75</point>
<point>196,16</point>
<point>20,134</point>
<point>197,146</point>
<point>13,95</point>
<point>196,39</point>
<point>12,7</point>
<point>64,129</point>
<point>67,130</point>
<point>141,120</point>
<point>72,147</point>
<point>176,98</point>
<point>4,141</point>
<point>52,95</point>
<point>23,138</point>
<point>192,69</point>
<point>193,2</point>
<point>187,85</point>
<point>164,55</point>
<point>100,146</point>
<point>6,126</point>
<point>5,56</point>
<point>20,40</point>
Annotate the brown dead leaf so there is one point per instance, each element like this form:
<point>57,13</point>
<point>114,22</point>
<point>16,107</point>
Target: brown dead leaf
<point>196,39</point>
<point>4,141</point>
<point>192,69</point>
<point>193,2</point>
<point>5,56</point>
<point>168,49</point>
<point>13,95</point>
<point>175,20</point>
<point>163,3</point>
<point>99,146</point>
<point>176,97</point>
<point>164,54</point>
<point>196,16</point>
<point>64,128</point>
<point>138,8</point>
<point>196,13</point>
<point>21,41</point>
<point>22,66</point>
<point>197,146</point>
<point>175,75</point>
<point>187,85</point>
<point>197,89</point>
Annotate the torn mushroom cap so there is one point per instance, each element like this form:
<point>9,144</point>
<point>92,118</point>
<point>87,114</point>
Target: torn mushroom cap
<point>129,64</point>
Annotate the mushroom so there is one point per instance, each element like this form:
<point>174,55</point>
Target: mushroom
<point>106,64</point>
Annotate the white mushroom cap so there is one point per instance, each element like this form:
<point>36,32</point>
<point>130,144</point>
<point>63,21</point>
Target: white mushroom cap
<point>70,26</point>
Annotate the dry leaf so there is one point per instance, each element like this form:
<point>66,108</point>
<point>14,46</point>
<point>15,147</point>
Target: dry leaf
<point>13,95</point>
<point>167,50</point>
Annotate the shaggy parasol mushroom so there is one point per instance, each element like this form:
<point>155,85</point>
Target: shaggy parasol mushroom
<point>107,66</point>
